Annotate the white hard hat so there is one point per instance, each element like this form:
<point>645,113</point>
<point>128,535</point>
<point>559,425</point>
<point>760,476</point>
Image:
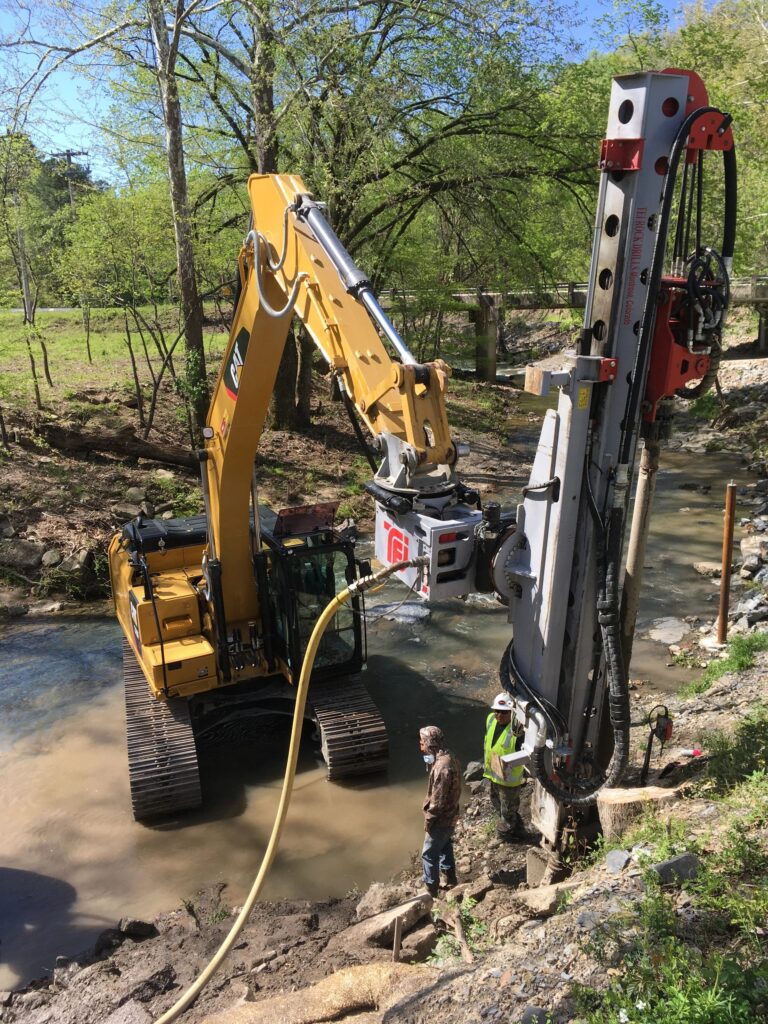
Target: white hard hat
<point>502,702</point>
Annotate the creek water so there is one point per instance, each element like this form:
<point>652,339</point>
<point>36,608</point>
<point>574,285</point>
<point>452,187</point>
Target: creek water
<point>73,861</point>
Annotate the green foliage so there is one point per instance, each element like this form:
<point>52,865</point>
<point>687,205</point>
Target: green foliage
<point>738,763</point>
<point>186,499</point>
<point>448,947</point>
<point>665,981</point>
<point>741,655</point>
<point>707,407</point>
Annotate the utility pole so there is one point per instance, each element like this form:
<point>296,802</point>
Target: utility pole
<point>67,155</point>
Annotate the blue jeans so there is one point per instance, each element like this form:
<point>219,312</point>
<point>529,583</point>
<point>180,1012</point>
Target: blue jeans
<point>437,852</point>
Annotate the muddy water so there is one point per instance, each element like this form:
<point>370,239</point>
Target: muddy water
<point>72,859</point>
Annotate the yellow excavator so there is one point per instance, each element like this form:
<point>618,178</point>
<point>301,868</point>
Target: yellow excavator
<point>217,609</point>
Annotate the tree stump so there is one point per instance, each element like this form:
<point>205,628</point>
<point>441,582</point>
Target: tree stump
<point>618,808</point>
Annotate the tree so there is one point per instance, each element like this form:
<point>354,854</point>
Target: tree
<point>68,41</point>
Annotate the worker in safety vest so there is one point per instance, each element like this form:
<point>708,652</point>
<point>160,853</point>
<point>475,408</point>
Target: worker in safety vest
<point>505,781</point>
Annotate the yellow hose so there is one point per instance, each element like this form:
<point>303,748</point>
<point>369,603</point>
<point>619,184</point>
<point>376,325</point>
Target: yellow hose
<point>285,796</point>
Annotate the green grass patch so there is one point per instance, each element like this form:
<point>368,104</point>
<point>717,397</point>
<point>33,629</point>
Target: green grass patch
<point>741,655</point>
<point>705,963</point>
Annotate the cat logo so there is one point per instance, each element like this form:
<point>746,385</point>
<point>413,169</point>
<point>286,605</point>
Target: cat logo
<point>235,364</point>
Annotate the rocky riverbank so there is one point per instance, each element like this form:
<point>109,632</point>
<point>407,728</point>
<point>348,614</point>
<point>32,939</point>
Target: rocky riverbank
<point>523,955</point>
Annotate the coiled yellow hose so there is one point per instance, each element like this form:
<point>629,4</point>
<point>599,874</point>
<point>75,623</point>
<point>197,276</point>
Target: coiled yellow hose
<point>358,586</point>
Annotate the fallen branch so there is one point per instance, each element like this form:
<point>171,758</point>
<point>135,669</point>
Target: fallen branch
<point>454,918</point>
<point>71,439</point>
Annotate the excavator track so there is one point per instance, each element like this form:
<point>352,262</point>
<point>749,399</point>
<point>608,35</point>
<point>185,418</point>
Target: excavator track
<point>353,736</point>
<point>162,756</point>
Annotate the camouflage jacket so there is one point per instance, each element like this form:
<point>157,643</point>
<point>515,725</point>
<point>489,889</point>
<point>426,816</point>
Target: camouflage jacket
<point>441,806</point>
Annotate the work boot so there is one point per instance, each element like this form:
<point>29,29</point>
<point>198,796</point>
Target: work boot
<point>433,888</point>
<point>449,879</point>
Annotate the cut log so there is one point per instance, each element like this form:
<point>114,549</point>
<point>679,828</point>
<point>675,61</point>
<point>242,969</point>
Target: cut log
<point>454,919</point>
<point>123,443</point>
<point>618,808</point>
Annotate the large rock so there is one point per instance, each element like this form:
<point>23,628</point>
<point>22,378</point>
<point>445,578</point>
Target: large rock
<point>135,495</point>
<point>22,556</point>
<point>419,944</point>
<point>544,901</point>
<point>473,772</point>
<point>677,869</point>
<point>755,544</point>
<point>381,896</point>
<point>710,569</point>
<point>137,929</point>
<point>379,930</point>
<point>125,510</point>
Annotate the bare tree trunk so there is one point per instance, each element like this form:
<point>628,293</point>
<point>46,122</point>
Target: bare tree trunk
<point>282,413</point>
<point>192,308</point>
<point>46,368</point>
<point>3,431</point>
<point>87,325</point>
<point>306,352</point>
<point>262,87</point>
<point>38,400</point>
<point>136,381</point>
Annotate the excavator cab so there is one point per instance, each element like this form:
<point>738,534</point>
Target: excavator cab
<point>304,565</point>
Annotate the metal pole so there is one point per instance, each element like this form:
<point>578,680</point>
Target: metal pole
<point>725,575</point>
<point>641,520</point>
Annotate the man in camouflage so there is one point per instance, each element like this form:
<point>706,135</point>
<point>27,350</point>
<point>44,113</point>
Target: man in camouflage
<point>441,809</point>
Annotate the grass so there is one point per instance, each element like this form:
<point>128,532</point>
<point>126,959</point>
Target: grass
<point>741,656</point>
<point>707,965</point>
<point>64,337</point>
<point>186,499</point>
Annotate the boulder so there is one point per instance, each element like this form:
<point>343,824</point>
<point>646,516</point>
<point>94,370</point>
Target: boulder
<point>51,558</point>
<point>419,944</point>
<point>477,888</point>
<point>22,556</point>
<point>754,544</point>
<point>135,495</point>
<point>379,930</point>
<point>124,510</point>
<point>750,567</point>
<point>381,896</point>
<point>473,772</point>
<point>544,901</point>
<point>617,860</point>
<point>137,929</point>
<point>677,869</point>
<point>710,569</point>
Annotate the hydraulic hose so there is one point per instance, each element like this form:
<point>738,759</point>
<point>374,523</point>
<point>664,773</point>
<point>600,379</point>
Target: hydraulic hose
<point>302,688</point>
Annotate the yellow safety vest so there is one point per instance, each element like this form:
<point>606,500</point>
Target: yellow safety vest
<point>495,769</point>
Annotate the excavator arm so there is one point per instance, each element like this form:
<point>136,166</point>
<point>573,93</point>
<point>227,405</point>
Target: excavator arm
<point>293,265</point>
